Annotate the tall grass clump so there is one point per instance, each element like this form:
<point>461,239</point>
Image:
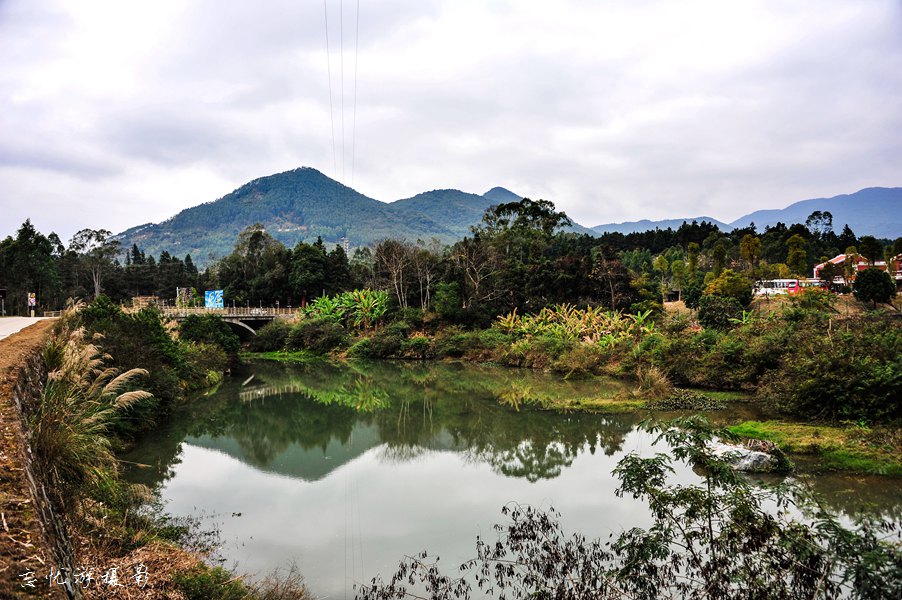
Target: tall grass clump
<point>71,426</point>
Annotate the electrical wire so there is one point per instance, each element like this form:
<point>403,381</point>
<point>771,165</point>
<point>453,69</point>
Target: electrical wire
<point>341,68</point>
<point>354,122</point>
<point>329,72</point>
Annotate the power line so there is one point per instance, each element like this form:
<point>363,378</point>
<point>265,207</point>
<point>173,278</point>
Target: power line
<point>329,71</point>
<point>354,124</point>
<point>341,57</point>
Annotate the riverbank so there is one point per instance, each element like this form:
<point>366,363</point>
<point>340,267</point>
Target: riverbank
<point>24,546</point>
<point>816,447</point>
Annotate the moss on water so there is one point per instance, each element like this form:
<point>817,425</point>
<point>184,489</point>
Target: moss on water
<point>838,447</point>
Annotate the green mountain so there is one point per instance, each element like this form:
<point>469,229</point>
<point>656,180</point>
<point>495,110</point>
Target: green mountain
<point>455,210</point>
<point>304,204</point>
<point>296,205</point>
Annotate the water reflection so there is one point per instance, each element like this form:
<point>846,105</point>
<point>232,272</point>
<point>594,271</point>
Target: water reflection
<point>299,420</point>
<point>359,464</point>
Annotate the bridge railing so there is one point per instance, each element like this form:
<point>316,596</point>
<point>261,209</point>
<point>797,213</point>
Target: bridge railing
<point>238,311</point>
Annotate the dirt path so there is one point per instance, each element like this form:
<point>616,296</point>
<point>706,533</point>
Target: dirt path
<point>23,549</point>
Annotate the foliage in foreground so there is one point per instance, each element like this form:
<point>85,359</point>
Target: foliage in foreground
<point>717,539</point>
<point>72,425</point>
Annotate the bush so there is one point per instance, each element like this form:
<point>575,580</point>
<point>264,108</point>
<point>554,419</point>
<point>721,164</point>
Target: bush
<point>319,336</point>
<point>414,317</point>
<point>447,301</point>
<point>851,374</point>
<point>209,583</point>
<point>730,284</point>
<point>718,312</point>
<point>271,337</point>
<point>417,347</point>
<point>210,329</point>
<point>874,285</point>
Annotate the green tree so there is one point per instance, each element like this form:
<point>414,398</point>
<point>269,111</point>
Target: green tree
<point>308,271</point>
<point>750,250</point>
<point>870,248</point>
<point>730,284</point>
<point>874,285</point>
<point>27,264</point>
<point>719,256</point>
<point>661,265</point>
<point>96,254</point>
<point>797,255</point>
<point>693,252</point>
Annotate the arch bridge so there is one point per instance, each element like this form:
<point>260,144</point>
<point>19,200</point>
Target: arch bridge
<point>246,318</point>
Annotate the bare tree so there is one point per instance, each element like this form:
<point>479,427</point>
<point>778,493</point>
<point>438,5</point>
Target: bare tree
<point>426,263</point>
<point>479,263</point>
<point>392,259</point>
<point>96,253</point>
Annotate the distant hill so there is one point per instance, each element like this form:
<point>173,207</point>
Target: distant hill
<point>645,225</point>
<point>304,204</point>
<point>455,210</point>
<point>872,211</point>
<point>296,205</point>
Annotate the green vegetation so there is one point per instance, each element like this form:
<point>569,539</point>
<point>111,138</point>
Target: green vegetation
<point>843,447</point>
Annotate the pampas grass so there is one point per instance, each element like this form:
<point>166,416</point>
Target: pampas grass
<point>83,400</point>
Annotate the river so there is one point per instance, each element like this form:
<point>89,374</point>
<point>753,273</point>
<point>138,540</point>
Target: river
<point>343,469</point>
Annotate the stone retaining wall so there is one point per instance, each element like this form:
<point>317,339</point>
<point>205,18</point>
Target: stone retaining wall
<point>34,543</point>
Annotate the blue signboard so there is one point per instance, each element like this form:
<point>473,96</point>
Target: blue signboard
<point>213,299</point>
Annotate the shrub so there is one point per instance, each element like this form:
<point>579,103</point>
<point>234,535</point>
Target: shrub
<point>874,285</point>
<point>718,312</point>
<point>206,583</point>
<point>583,359</point>
<point>851,374</point>
<point>210,329</point>
<point>447,301</point>
<point>139,340</point>
<point>318,335</point>
<point>417,347</point>
<point>271,337</point>
<point>414,317</point>
<point>730,284</point>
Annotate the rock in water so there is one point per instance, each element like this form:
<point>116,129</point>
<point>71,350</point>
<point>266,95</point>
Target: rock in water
<point>744,459</point>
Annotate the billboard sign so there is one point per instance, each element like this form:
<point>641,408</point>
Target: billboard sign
<point>213,299</point>
<point>32,299</point>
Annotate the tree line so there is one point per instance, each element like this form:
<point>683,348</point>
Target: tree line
<point>518,257</point>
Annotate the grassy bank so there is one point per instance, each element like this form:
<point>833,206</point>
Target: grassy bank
<point>847,447</point>
<point>93,403</point>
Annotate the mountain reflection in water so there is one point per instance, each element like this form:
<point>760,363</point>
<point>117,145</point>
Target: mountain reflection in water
<point>347,467</point>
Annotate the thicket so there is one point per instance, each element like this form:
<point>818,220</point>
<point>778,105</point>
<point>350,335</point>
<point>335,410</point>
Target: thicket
<point>143,340</point>
<point>210,329</point>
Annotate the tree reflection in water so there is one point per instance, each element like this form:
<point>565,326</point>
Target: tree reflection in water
<point>306,420</point>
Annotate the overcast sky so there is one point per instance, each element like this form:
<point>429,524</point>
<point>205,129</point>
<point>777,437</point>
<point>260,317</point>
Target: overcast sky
<point>114,114</point>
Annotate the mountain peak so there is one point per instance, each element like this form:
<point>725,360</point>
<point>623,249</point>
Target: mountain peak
<point>501,195</point>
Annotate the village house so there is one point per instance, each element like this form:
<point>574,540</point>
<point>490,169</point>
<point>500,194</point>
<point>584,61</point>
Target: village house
<point>861,263</point>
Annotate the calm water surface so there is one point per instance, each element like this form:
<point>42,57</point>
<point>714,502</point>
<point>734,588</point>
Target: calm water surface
<point>344,469</point>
